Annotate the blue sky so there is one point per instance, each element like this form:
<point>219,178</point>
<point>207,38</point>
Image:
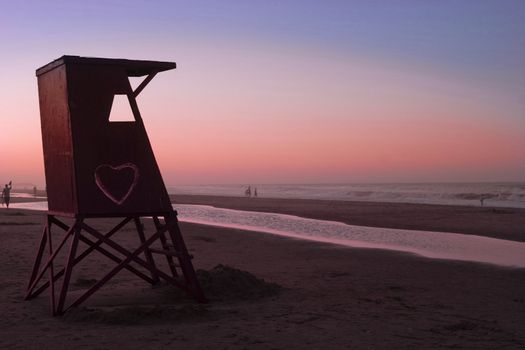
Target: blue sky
<point>450,64</point>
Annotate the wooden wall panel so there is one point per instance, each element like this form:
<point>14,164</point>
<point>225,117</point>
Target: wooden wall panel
<point>56,141</point>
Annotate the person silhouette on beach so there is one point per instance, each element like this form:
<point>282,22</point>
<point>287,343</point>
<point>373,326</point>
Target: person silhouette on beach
<point>6,193</point>
<point>248,192</point>
<point>255,192</point>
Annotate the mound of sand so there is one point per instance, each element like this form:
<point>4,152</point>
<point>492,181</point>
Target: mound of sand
<point>227,283</point>
<point>222,283</point>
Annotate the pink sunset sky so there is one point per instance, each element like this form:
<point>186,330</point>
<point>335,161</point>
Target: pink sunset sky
<point>291,92</point>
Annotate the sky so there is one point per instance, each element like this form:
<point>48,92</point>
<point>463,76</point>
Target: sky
<point>290,91</point>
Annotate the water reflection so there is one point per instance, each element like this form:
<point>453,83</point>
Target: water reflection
<point>439,245</point>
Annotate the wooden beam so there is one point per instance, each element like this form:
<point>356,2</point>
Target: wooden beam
<point>142,85</point>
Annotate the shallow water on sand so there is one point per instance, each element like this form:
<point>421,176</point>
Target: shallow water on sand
<point>438,245</point>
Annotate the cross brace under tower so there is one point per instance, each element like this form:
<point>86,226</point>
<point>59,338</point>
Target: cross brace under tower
<point>167,233</point>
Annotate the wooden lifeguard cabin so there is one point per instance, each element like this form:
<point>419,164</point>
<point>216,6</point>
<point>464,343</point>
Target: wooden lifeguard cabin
<point>99,168</point>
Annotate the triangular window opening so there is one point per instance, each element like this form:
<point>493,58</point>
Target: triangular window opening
<point>121,110</point>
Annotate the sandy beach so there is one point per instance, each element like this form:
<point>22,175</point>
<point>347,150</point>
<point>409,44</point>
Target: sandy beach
<point>330,297</point>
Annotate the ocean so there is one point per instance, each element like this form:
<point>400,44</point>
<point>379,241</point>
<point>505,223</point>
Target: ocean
<point>503,194</point>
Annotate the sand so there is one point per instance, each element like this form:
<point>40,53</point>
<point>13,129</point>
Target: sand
<point>294,294</point>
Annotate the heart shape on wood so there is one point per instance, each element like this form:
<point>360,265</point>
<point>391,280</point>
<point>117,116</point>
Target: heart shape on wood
<point>117,182</point>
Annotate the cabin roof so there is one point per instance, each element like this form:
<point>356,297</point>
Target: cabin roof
<point>134,68</point>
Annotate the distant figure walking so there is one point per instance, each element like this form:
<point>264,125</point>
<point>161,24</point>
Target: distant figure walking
<point>34,191</point>
<point>248,192</point>
<point>481,200</point>
<point>6,194</point>
<point>255,192</point>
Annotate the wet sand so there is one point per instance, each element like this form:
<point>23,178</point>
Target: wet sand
<point>333,297</point>
<point>503,223</point>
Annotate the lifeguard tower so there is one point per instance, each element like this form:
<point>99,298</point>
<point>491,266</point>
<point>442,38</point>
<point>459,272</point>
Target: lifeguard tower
<point>97,168</point>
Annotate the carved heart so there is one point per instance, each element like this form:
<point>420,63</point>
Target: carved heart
<point>115,181</point>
